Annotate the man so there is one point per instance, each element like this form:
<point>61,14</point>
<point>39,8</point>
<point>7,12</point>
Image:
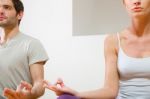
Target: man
<point>21,57</point>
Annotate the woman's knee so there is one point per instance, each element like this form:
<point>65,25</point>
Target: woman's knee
<point>67,96</point>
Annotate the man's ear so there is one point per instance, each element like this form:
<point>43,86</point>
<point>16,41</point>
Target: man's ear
<point>20,15</point>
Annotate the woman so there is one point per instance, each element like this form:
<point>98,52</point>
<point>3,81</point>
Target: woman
<point>127,59</point>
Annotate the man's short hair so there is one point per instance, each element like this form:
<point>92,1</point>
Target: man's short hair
<point>18,5</point>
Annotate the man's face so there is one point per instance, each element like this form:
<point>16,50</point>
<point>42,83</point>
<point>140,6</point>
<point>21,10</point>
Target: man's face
<point>8,15</point>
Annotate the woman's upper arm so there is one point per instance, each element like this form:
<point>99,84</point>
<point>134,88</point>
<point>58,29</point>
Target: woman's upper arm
<point>111,71</point>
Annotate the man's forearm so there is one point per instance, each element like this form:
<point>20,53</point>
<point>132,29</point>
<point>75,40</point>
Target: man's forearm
<point>38,89</point>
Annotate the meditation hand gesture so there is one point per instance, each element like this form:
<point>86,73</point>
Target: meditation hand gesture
<point>23,91</point>
<point>59,88</point>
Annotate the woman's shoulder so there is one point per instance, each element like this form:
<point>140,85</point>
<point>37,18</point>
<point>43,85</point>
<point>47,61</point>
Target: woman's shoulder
<point>114,37</point>
<point>111,38</point>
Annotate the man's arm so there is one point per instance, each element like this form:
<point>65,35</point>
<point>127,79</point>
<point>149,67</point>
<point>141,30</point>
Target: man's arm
<point>26,90</point>
<point>37,74</point>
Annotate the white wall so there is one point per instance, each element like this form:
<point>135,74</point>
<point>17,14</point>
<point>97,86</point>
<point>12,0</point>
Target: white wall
<point>81,64</point>
<point>78,60</point>
<point>98,16</point>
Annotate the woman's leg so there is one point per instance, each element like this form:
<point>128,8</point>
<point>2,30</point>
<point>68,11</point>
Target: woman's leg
<point>67,96</point>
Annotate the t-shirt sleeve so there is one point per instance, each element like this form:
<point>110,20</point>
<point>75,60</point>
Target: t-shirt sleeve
<point>36,52</point>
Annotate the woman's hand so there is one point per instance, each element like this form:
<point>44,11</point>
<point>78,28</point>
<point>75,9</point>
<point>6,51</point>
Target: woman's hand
<point>59,88</point>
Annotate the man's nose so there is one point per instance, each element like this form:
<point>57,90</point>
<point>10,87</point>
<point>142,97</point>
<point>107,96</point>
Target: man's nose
<point>1,11</point>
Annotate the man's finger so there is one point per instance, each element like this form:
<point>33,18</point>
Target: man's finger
<point>47,82</point>
<point>10,93</point>
<point>26,85</point>
<point>19,88</point>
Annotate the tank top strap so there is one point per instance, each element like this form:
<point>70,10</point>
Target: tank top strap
<point>118,37</point>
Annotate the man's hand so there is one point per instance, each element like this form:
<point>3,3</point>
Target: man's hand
<point>23,91</point>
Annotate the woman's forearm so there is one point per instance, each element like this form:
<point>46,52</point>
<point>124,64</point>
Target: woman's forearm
<point>104,93</point>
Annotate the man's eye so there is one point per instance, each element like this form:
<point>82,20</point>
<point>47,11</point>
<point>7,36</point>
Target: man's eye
<point>7,7</point>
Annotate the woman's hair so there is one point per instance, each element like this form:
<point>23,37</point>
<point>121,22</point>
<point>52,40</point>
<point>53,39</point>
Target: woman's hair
<point>123,1</point>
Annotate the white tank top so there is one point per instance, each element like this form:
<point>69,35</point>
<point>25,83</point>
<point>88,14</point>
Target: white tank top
<point>134,76</point>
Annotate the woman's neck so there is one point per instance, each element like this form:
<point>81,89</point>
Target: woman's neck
<point>140,26</point>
